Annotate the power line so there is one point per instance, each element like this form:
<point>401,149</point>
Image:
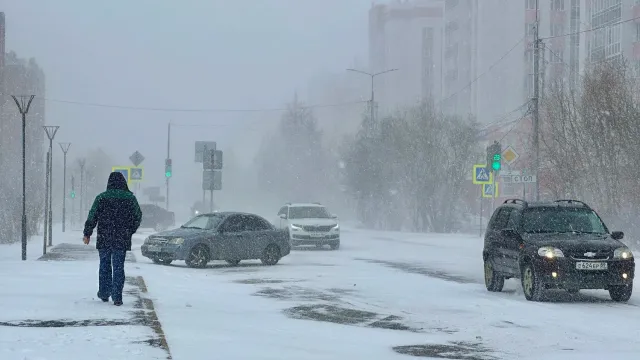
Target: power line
<point>141,108</point>
<point>485,72</point>
<point>589,30</point>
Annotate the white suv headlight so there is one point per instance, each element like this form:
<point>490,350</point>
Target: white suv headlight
<point>176,241</point>
<point>296,227</point>
<point>336,227</point>
<point>550,252</point>
<point>622,253</point>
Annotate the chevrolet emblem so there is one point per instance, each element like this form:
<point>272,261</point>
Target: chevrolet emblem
<point>590,254</point>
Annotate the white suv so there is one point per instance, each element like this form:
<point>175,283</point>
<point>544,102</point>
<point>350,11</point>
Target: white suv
<point>309,224</point>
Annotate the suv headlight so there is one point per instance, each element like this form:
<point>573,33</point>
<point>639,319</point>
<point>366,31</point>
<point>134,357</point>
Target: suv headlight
<point>622,253</point>
<point>550,252</point>
<point>336,227</point>
<point>176,241</point>
<point>296,227</point>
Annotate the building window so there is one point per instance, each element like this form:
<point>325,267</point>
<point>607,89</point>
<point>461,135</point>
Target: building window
<point>557,5</point>
<point>557,30</point>
<point>530,29</point>
<point>531,4</point>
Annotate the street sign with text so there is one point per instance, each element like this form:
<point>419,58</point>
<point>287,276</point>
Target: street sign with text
<point>212,180</point>
<point>523,179</point>
<point>200,149</point>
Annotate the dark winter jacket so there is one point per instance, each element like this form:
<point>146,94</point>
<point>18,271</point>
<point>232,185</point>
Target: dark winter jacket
<point>117,214</point>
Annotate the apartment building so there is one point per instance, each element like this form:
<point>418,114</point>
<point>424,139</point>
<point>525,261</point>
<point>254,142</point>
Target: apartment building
<point>615,31</point>
<point>406,35</point>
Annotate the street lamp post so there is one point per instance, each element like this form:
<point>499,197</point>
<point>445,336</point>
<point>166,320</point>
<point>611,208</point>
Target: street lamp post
<point>51,133</point>
<point>372,75</point>
<point>81,162</point>
<point>23,104</point>
<point>65,149</point>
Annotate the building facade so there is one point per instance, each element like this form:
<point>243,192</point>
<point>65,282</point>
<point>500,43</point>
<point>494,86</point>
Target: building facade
<point>615,31</point>
<point>407,35</point>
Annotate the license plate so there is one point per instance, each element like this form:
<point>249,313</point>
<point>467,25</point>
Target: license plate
<point>591,266</point>
<point>316,235</point>
<point>153,248</point>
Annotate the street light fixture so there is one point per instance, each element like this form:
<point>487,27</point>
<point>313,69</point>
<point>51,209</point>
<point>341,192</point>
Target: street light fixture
<point>23,102</point>
<point>372,75</point>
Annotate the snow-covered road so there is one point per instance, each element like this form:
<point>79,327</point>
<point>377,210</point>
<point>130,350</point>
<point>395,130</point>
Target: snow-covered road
<point>381,295</point>
<point>421,294</point>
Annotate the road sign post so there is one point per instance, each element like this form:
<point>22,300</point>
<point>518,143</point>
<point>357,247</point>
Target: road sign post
<point>124,170</point>
<point>136,174</point>
<point>201,148</point>
<point>481,175</point>
<point>490,190</point>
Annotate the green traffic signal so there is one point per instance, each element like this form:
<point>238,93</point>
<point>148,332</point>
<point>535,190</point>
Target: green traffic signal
<point>496,162</point>
<point>167,174</point>
<point>73,194</point>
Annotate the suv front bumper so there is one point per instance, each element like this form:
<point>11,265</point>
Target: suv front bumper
<point>619,272</point>
<point>302,238</point>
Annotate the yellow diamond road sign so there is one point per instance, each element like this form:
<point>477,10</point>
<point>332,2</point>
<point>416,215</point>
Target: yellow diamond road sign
<point>510,155</point>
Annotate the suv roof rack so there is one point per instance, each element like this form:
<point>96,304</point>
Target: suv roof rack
<point>569,201</point>
<point>317,203</point>
<point>287,203</point>
<point>516,201</point>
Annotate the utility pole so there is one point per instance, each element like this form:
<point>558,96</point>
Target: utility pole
<point>168,157</point>
<point>65,149</point>
<point>371,101</point>
<point>51,133</point>
<point>23,107</point>
<point>536,100</point>
<point>82,162</point>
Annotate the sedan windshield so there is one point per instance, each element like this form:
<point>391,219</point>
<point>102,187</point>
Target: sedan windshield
<point>204,222</point>
<point>562,220</point>
<point>308,212</point>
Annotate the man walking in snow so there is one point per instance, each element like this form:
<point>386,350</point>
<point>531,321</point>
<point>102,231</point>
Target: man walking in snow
<point>117,214</point>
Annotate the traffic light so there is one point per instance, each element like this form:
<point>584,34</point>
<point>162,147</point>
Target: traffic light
<point>494,156</point>
<point>167,168</point>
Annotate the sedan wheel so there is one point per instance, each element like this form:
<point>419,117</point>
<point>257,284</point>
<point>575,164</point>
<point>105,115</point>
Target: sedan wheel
<point>198,257</point>
<point>271,255</point>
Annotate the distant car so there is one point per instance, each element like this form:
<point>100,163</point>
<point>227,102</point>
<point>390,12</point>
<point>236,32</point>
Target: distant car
<point>157,218</point>
<point>229,236</point>
<point>562,244</point>
<point>309,224</point>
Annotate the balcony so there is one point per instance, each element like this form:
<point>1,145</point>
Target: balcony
<point>635,10</point>
<point>557,16</point>
<point>636,50</point>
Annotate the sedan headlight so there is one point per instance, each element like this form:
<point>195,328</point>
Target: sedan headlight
<point>622,253</point>
<point>176,241</point>
<point>336,227</point>
<point>296,227</point>
<point>550,252</point>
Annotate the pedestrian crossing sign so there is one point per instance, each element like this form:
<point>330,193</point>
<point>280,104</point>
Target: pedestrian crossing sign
<point>482,175</point>
<point>135,174</point>
<point>490,190</point>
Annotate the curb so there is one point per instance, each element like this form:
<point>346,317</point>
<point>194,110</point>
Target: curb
<point>151,316</point>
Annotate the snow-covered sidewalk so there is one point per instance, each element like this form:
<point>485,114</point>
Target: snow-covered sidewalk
<point>50,309</point>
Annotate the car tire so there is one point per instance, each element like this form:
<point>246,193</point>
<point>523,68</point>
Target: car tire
<point>162,261</point>
<point>270,255</point>
<point>492,280</point>
<point>233,262</point>
<point>198,257</point>
<point>621,293</point>
<point>335,245</point>
<point>531,285</point>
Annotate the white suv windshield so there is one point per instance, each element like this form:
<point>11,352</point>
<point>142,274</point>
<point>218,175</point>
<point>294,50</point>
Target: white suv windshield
<point>308,212</point>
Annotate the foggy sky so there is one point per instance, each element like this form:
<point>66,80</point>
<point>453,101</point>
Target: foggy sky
<point>198,54</point>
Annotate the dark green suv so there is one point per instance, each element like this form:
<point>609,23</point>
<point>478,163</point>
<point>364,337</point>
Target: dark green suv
<point>562,244</point>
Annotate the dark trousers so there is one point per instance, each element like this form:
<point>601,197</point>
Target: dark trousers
<point>111,275</point>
